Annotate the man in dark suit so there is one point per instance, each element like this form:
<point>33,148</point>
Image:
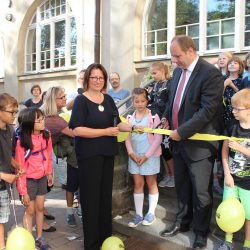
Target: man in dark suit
<point>195,106</point>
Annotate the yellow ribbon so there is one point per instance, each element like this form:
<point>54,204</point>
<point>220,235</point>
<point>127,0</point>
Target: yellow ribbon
<point>122,136</point>
<point>197,136</point>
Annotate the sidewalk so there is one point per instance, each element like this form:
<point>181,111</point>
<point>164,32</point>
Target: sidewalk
<point>65,237</point>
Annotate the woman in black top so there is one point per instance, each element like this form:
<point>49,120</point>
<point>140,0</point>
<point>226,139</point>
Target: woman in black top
<point>95,123</point>
<point>36,100</point>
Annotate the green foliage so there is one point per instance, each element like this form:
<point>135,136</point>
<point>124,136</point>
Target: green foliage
<point>158,15</point>
<point>223,9</point>
<point>187,12</point>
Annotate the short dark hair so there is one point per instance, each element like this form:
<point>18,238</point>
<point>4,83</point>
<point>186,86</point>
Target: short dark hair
<point>185,42</point>
<point>35,86</point>
<point>89,71</point>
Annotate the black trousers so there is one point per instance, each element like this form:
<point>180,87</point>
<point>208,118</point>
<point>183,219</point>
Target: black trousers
<point>193,182</point>
<point>96,182</point>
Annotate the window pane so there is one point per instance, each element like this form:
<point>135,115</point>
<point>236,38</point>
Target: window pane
<point>180,31</point>
<point>183,10</point>
<point>161,36</point>
<point>193,30</point>
<point>150,50</point>
<point>212,43</point>
<point>73,33</point>
<point>227,42</point>
<point>227,26</point>
<point>247,39</point>
<point>213,28</point>
<point>218,9</point>
<point>162,49</point>
<point>150,37</point>
<point>158,15</point>
<point>31,41</point>
<point>60,34</point>
<point>45,37</point>
<point>247,24</point>
<point>196,41</point>
<point>247,10</point>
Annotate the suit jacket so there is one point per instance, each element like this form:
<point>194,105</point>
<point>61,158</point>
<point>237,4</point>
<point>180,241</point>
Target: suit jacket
<point>201,109</point>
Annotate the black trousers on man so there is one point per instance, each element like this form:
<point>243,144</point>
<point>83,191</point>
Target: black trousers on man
<point>193,182</point>
<point>96,181</point>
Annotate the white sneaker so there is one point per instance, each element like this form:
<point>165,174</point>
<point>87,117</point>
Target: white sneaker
<point>164,181</point>
<point>171,182</point>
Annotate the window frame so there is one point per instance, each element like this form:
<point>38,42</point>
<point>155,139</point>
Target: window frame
<point>239,36</point>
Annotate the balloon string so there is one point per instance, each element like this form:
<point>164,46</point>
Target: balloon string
<point>25,214</point>
<point>13,204</point>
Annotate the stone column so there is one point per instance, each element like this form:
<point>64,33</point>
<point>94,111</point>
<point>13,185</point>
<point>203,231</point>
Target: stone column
<point>122,183</point>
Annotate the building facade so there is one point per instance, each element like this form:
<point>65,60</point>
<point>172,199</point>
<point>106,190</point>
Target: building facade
<point>48,42</point>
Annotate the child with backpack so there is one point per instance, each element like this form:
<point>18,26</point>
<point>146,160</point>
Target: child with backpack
<point>144,150</point>
<point>34,152</point>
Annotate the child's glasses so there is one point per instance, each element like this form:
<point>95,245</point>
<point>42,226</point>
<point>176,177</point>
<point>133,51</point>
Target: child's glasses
<point>41,119</point>
<point>238,109</point>
<point>14,112</point>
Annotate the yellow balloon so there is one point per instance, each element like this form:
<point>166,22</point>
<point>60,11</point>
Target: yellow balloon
<point>230,215</point>
<point>113,243</point>
<point>122,136</point>
<point>20,239</point>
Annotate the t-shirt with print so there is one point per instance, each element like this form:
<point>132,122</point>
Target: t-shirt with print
<point>239,163</point>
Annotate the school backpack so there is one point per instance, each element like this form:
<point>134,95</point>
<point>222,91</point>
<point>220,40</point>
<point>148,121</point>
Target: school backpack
<point>28,152</point>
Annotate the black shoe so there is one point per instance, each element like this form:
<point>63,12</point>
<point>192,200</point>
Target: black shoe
<point>200,242</point>
<point>50,229</point>
<point>49,217</point>
<point>175,229</point>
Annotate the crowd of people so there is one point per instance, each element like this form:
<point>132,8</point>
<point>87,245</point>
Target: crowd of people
<point>198,98</point>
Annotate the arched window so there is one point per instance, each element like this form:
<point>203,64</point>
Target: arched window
<point>51,38</point>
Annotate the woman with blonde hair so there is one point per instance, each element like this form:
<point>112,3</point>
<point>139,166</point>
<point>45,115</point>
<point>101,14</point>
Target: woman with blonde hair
<point>223,59</point>
<point>54,102</point>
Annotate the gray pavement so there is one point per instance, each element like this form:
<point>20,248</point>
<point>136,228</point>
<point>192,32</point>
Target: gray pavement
<point>65,237</point>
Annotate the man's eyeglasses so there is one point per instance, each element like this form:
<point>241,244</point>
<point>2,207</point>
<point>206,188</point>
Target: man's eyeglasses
<point>40,119</point>
<point>238,110</point>
<point>14,112</point>
<point>94,78</point>
<point>63,97</point>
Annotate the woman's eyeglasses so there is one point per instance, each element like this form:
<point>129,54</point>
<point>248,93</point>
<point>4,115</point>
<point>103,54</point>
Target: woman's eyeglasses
<point>94,78</point>
<point>61,98</point>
